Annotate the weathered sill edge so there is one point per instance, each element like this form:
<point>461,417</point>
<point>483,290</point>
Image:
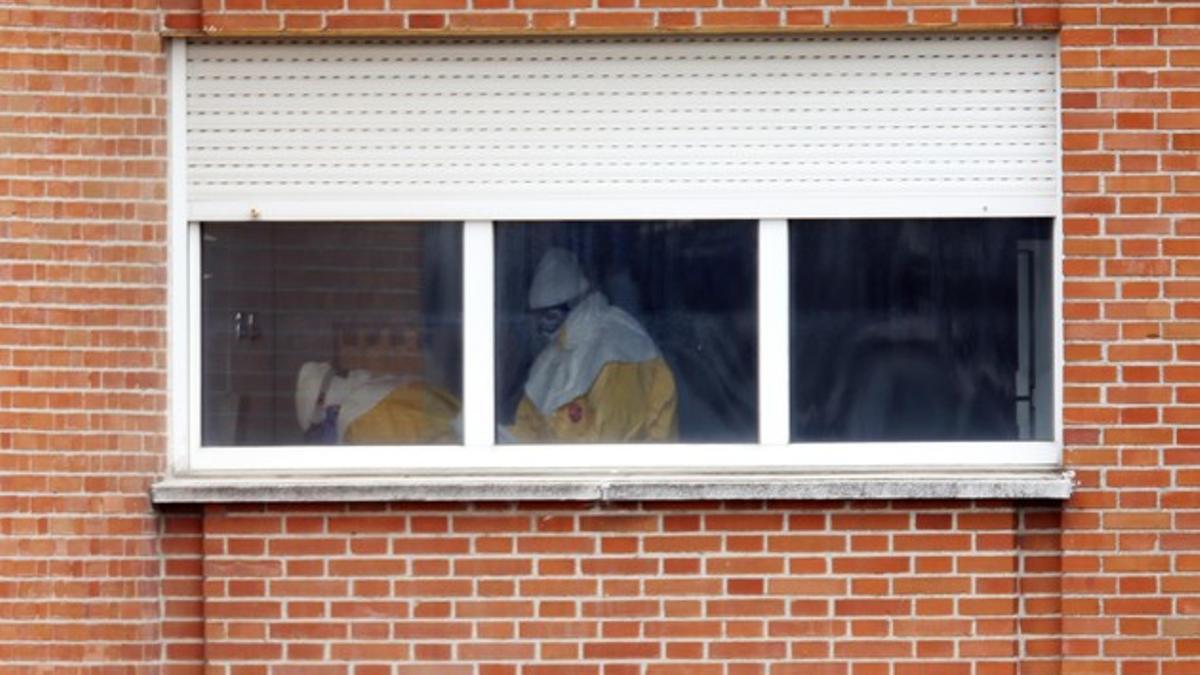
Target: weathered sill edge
<point>1056,484</point>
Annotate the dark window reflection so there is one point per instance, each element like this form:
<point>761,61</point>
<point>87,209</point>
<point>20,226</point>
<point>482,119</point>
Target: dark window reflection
<point>331,333</point>
<point>626,331</point>
<point>921,330</point>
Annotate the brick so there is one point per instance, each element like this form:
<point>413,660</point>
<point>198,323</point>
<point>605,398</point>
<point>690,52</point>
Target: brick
<point>867,18</point>
<point>367,567</point>
<point>744,522</point>
<point>668,587</point>
<point>243,525</point>
<point>872,607</point>
<point>614,20</point>
<point>871,521</point>
<point>1133,15</point>
<point>987,17</point>
<point>740,18</point>
<point>306,547</point>
<point>364,524</point>
<point>417,21</point>
<point>302,5</point>
<point>613,649</point>
<point>734,608</point>
<point>561,545</point>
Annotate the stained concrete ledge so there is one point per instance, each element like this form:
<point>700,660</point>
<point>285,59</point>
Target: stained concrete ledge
<point>1042,484</point>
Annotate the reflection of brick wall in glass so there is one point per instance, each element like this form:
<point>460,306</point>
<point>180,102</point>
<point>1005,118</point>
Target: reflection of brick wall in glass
<point>354,295</point>
<point>356,279</point>
<point>238,265</point>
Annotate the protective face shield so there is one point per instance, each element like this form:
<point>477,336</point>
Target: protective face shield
<point>550,319</point>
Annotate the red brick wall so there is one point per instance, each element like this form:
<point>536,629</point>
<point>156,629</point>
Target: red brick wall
<point>1131,124</point>
<point>82,293</point>
<point>258,17</point>
<point>93,580</point>
<point>943,588</point>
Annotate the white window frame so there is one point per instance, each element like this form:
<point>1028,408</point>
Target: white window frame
<point>479,456</point>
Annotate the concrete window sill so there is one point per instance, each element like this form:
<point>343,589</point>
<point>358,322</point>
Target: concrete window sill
<point>614,487</point>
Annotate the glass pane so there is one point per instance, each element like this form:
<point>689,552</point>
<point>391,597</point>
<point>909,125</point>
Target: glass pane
<point>921,330</point>
<point>327,333</point>
<point>626,332</point>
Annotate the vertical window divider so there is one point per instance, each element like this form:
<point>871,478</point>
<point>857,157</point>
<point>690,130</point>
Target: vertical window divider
<point>193,334</point>
<point>479,331</point>
<point>774,312</point>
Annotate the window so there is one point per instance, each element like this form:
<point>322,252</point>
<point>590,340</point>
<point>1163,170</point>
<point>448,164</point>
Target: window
<point>683,297</point>
<point>921,330</point>
<point>929,339</point>
<point>843,257</point>
<point>301,321</point>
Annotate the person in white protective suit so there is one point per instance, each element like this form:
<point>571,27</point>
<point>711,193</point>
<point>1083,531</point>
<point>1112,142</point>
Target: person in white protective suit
<point>601,378</point>
<point>368,409</point>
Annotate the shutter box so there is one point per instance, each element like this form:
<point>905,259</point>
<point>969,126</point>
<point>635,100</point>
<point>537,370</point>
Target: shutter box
<point>728,126</point>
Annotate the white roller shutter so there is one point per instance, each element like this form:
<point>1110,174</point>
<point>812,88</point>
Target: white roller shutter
<point>623,127</point>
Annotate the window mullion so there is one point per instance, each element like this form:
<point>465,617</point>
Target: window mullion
<point>773,312</point>
<point>479,333</point>
<point>193,334</point>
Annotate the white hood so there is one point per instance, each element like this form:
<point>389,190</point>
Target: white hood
<point>594,335</point>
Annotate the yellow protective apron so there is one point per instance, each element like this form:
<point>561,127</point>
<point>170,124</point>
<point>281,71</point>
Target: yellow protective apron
<point>412,413</point>
<point>627,403</point>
